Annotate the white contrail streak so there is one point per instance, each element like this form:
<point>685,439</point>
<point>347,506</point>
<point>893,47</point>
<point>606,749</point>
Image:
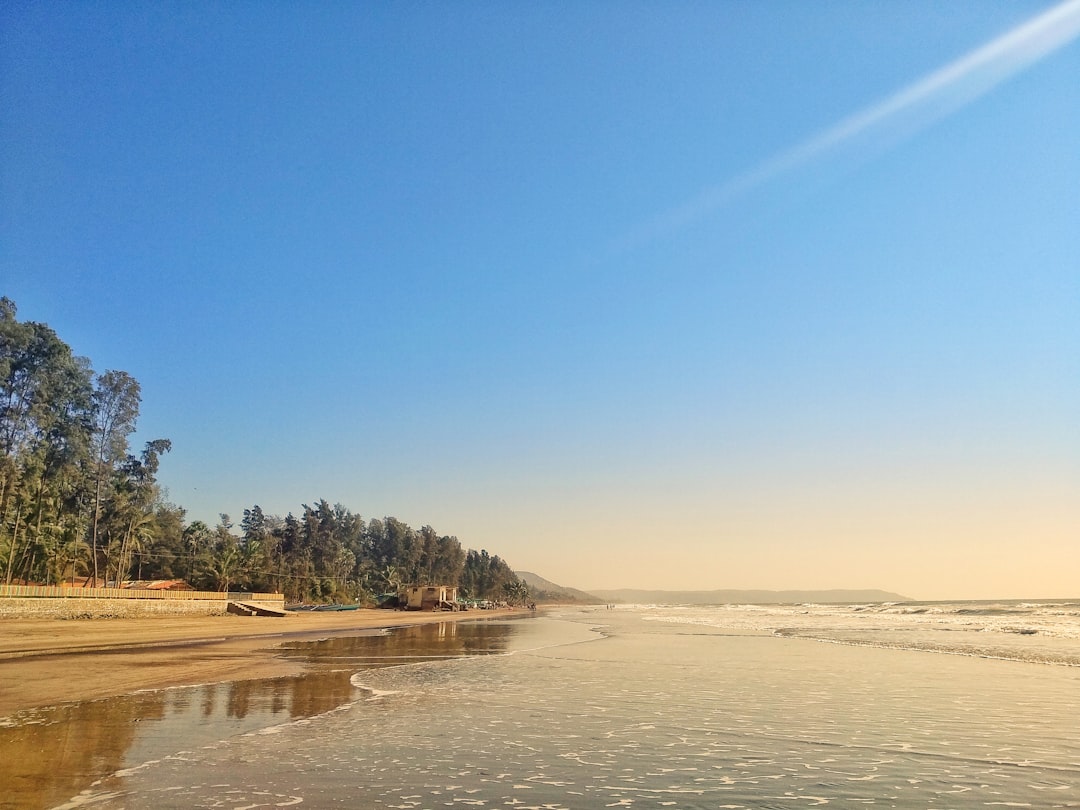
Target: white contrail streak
<point>901,115</point>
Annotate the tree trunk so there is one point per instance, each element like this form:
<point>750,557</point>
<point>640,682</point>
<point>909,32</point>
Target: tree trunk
<point>94,530</point>
<point>14,543</point>
<point>40,513</point>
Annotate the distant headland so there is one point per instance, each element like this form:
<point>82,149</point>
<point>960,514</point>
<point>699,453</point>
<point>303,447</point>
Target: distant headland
<point>544,590</point>
<point>738,597</point>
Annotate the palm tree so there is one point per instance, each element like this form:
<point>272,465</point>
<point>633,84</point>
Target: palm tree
<point>516,590</point>
<point>223,566</point>
<point>197,538</point>
<point>391,578</point>
<point>140,528</point>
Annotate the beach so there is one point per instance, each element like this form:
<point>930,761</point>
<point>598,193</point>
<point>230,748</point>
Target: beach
<point>954,706</point>
<point>83,699</point>
<point>44,662</point>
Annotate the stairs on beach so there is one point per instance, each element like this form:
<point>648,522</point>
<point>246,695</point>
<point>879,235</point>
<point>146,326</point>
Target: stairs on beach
<point>253,609</point>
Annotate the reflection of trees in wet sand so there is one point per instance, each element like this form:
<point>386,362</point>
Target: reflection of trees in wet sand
<point>61,751</point>
<point>239,701</point>
<point>209,700</point>
<point>301,696</point>
<point>420,642</point>
<point>313,695</point>
<point>333,661</point>
<point>48,762</point>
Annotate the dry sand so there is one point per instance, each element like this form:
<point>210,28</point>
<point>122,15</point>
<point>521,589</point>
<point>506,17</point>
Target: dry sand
<point>44,662</point>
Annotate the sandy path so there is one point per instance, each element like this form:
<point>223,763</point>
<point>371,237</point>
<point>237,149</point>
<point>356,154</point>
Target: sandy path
<point>44,662</point>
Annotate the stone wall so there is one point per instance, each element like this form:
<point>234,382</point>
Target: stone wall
<point>76,608</point>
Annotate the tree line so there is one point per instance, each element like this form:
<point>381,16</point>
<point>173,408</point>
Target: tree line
<point>77,504</point>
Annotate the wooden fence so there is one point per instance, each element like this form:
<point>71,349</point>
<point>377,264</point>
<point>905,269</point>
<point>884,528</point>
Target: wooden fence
<point>57,592</point>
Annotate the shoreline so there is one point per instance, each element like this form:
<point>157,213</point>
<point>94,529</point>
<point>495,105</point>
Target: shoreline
<point>48,662</point>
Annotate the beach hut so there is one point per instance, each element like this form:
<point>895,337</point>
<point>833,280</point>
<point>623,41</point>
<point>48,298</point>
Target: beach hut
<point>431,597</point>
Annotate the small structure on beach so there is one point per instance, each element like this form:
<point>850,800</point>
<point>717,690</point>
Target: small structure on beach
<point>431,597</point>
<point>389,601</point>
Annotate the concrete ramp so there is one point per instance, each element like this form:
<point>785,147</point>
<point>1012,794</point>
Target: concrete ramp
<point>254,609</point>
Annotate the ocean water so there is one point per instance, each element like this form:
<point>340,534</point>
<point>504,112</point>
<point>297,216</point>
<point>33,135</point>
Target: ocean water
<point>958,705</point>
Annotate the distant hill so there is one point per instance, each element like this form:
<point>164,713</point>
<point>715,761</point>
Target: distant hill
<point>730,597</point>
<point>544,590</point>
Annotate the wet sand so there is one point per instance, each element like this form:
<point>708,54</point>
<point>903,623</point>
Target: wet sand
<point>46,662</point>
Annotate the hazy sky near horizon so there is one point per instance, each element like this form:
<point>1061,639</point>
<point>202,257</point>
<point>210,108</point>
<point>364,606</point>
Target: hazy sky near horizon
<point>665,295</point>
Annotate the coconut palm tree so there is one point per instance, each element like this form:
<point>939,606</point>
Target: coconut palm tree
<point>391,578</point>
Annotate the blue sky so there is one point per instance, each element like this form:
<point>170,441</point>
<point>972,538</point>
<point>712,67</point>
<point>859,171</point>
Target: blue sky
<point>578,283</point>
